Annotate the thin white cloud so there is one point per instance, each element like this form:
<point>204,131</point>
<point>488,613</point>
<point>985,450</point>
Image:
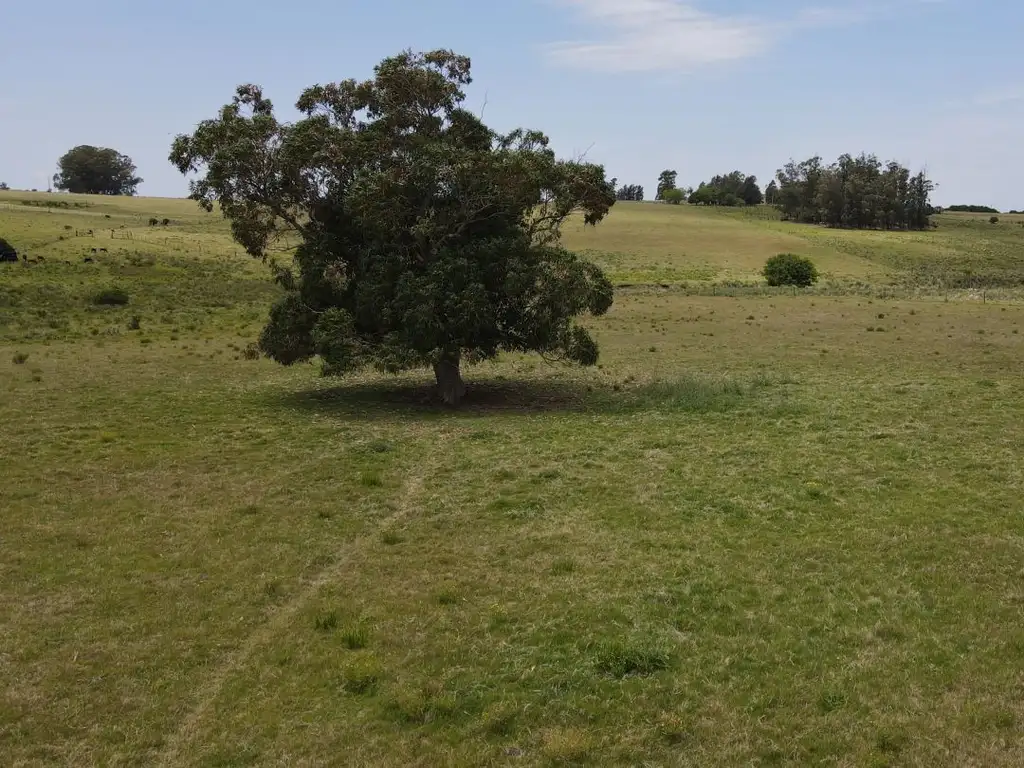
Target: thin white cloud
<point>995,97</point>
<point>648,35</point>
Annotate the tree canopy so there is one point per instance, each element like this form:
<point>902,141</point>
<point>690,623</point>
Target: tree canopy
<point>673,196</point>
<point>732,189</point>
<point>424,237</point>
<point>666,181</point>
<point>96,171</point>
<point>857,193</point>
<point>973,209</point>
<point>633,192</point>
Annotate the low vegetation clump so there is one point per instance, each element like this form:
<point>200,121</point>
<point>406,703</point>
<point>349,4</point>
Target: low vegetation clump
<point>624,659</point>
<point>111,297</point>
<point>972,209</point>
<point>790,269</point>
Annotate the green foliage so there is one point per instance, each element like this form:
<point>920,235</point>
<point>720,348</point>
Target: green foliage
<point>632,192</point>
<point>733,189</point>
<point>993,220</point>
<point>971,209</point>
<point>673,196</point>
<point>790,269</point>
<point>623,660</point>
<point>96,171</point>
<point>424,237</point>
<point>856,193</point>
<point>356,637</point>
<point>361,676</point>
<point>111,297</point>
<point>326,622</point>
<point>54,204</point>
<point>666,181</point>
<point>3,186</point>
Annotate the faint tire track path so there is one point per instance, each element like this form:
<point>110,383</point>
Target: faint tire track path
<point>174,749</point>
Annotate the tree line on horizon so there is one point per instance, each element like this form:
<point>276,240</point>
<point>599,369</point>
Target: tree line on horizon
<point>852,193</point>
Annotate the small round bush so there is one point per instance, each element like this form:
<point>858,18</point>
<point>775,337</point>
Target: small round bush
<point>994,220</point>
<point>111,297</point>
<point>790,269</point>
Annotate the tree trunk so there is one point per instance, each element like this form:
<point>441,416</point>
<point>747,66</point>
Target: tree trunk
<point>450,386</point>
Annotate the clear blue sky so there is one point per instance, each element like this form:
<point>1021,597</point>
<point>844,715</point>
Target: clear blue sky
<point>702,87</point>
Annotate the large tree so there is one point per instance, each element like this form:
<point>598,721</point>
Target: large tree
<point>96,171</point>
<point>666,181</point>
<point>423,237</point>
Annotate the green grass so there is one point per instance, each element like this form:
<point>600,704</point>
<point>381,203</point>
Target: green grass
<point>755,534</point>
<point>648,244</point>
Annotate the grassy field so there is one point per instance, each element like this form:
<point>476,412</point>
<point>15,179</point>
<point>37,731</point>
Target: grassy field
<point>766,530</point>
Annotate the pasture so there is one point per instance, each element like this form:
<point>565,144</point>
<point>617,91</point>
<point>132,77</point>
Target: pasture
<point>770,528</point>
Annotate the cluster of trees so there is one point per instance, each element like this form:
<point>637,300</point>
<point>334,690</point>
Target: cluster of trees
<point>732,189</point>
<point>854,192</point>
<point>96,171</point>
<point>630,192</point>
<point>3,186</point>
<point>972,209</point>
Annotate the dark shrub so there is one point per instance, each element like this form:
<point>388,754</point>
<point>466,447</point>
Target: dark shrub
<point>790,269</point>
<point>7,251</point>
<point>165,222</point>
<point>153,222</point>
<point>111,297</point>
<point>993,220</point>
